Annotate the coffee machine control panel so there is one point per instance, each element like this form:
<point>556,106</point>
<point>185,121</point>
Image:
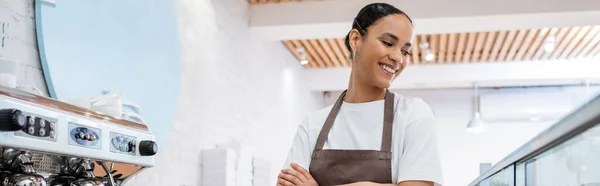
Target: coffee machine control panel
<point>123,144</point>
<point>38,127</point>
<point>85,136</point>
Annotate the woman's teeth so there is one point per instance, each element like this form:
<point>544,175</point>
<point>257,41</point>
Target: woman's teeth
<point>387,68</point>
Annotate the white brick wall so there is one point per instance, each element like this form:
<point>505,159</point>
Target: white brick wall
<point>22,42</point>
<point>234,86</point>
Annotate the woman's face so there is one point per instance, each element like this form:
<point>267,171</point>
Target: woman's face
<point>383,52</point>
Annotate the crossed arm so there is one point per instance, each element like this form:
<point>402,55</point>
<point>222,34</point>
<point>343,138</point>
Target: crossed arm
<point>298,176</point>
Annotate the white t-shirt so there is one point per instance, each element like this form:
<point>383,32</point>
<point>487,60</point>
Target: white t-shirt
<point>359,126</point>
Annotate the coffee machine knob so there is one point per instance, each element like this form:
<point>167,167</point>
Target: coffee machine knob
<point>12,120</point>
<point>148,148</point>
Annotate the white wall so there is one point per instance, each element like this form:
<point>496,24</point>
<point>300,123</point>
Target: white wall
<point>461,152</point>
<point>233,86</point>
<point>22,42</point>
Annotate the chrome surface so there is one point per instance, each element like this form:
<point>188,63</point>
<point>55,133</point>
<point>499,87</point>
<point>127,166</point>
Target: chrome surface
<point>24,179</point>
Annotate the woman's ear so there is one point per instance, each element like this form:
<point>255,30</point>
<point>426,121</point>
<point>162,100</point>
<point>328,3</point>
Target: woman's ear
<point>355,40</point>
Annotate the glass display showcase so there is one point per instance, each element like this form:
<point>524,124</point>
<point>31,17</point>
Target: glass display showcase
<point>566,154</point>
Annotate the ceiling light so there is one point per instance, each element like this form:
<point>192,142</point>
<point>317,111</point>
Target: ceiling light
<point>304,62</point>
<point>476,125</point>
<point>428,55</point>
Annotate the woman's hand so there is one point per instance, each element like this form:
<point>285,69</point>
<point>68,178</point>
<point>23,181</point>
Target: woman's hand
<point>297,176</point>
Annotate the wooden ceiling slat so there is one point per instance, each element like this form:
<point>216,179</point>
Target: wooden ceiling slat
<point>329,54</point>
<point>286,1</point>
<point>434,45</point>
<point>481,38</point>
<point>441,55</point>
<point>497,46</point>
<point>567,40</point>
<point>452,40</point>
<point>469,49</point>
<point>458,55</point>
<point>480,41</point>
<point>559,39</point>
<point>487,49</point>
<point>594,52</point>
<point>588,47</point>
<point>253,2</point>
<point>423,39</point>
<point>575,41</point>
<point>338,53</point>
<point>311,52</point>
<point>584,41</point>
<point>516,45</point>
<point>264,1</point>
<point>506,46</point>
<point>525,46</point>
<point>275,1</point>
<point>315,45</point>
<point>537,44</point>
<point>414,50</point>
<point>342,47</point>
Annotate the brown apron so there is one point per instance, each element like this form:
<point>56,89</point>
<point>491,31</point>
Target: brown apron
<point>336,167</point>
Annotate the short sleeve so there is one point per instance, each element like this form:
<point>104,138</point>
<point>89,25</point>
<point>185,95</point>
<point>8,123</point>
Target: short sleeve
<point>420,160</point>
<point>300,152</point>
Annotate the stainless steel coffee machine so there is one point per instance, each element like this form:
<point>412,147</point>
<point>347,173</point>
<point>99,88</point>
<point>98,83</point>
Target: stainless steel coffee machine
<point>44,142</point>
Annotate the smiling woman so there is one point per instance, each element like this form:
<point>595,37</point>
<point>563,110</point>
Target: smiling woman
<point>344,143</point>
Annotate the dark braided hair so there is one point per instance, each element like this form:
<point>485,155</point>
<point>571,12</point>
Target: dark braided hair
<point>369,15</point>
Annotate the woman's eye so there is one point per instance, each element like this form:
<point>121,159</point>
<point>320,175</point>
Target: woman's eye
<point>406,53</point>
<point>387,43</point>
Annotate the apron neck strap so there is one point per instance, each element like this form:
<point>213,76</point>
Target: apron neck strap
<point>388,121</point>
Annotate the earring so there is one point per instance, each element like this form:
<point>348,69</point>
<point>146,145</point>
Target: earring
<point>353,54</point>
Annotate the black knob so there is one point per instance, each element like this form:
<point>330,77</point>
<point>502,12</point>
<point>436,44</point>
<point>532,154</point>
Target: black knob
<point>12,120</point>
<point>148,148</point>
<point>131,146</point>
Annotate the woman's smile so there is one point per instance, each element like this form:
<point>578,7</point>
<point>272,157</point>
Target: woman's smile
<point>388,70</point>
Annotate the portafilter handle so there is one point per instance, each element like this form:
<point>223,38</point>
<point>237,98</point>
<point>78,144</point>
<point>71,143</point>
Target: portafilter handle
<point>17,161</point>
<point>23,161</point>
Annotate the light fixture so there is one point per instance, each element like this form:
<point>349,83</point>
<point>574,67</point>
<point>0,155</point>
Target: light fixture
<point>303,60</point>
<point>476,124</point>
<point>428,54</point>
<point>550,43</point>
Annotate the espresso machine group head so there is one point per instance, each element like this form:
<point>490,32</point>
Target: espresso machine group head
<point>44,142</point>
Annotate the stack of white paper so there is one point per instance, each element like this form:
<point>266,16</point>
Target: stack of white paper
<point>218,167</point>
<point>261,172</point>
